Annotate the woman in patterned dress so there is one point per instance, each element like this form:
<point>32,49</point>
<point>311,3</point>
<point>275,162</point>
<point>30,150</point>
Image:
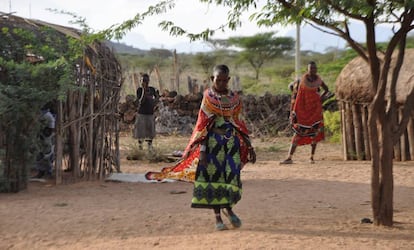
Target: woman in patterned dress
<point>218,149</point>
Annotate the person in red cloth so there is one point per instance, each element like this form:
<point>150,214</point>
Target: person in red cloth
<point>218,149</point>
<point>306,113</point>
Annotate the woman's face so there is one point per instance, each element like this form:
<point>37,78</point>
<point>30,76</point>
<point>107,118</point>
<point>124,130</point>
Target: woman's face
<point>144,81</point>
<point>312,69</point>
<point>221,82</point>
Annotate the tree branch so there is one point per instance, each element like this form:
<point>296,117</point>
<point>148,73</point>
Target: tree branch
<point>344,11</point>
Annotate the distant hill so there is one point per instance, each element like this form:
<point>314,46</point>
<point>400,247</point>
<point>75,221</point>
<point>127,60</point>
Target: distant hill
<point>121,48</point>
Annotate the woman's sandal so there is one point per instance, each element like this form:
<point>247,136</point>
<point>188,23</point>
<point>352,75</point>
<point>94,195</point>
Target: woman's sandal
<point>220,226</point>
<point>287,161</point>
<point>234,220</point>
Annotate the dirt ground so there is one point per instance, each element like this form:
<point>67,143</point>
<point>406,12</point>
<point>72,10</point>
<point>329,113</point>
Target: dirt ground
<point>298,206</point>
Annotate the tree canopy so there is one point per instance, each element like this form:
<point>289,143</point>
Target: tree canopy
<point>261,48</point>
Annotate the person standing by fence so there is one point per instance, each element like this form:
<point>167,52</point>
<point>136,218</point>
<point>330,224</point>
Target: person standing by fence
<point>147,98</point>
<point>45,144</point>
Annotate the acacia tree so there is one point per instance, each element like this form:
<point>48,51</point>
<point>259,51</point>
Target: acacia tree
<point>334,17</point>
<point>206,61</point>
<point>261,48</point>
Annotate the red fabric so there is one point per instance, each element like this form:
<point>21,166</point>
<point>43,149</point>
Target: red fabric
<point>308,113</point>
<point>211,107</point>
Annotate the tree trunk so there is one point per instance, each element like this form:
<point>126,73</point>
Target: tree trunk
<point>385,213</point>
<point>382,185</point>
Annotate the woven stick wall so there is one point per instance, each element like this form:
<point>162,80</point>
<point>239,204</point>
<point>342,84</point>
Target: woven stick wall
<point>87,125</point>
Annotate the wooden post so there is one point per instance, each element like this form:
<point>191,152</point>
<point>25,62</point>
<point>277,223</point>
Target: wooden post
<point>403,143</point>
<point>367,147</point>
<point>74,132</point>
<point>135,79</point>
<point>356,117</point>
<point>397,146</point>
<point>189,84</point>
<point>90,142</point>
<point>343,130</point>
<point>176,71</point>
<point>410,133</point>
<point>349,131</point>
<point>157,73</point>
<point>59,144</point>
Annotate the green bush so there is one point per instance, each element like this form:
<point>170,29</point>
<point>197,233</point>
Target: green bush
<point>333,125</point>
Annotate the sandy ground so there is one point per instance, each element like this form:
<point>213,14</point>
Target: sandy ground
<point>298,206</point>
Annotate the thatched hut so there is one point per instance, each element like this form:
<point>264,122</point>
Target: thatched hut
<point>87,125</point>
<point>354,93</point>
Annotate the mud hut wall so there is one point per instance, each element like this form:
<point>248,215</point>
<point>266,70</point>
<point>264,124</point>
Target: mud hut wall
<point>356,139</point>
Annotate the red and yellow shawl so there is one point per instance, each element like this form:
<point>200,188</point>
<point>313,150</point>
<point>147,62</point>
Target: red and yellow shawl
<point>212,106</point>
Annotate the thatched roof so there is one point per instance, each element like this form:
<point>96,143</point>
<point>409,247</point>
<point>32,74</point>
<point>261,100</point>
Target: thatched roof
<point>35,26</point>
<point>12,21</point>
<point>353,83</point>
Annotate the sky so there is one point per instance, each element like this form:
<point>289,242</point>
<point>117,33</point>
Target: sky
<point>188,14</point>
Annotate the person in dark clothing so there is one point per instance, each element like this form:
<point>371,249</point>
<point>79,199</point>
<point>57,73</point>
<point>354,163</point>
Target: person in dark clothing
<point>147,98</point>
<point>45,144</point>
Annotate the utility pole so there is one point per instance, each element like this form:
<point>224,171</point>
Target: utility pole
<point>297,51</point>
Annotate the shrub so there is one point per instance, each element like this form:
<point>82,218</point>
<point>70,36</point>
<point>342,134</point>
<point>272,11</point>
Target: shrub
<point>333,125</point>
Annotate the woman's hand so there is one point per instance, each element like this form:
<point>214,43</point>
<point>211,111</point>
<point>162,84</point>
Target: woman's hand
<point>292,118</point>
<point>252,155</point>
<point>202,158</point>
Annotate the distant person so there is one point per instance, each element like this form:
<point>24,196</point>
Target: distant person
<point>45,144</point>
<point>147,98</point>
<point>218,149</point>
<point>306,113</point>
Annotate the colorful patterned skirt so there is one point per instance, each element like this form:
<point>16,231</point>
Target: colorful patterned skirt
<point>305,135</point>
<point>218,184</point>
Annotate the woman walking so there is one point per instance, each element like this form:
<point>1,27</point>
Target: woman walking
<point>218,149</point>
